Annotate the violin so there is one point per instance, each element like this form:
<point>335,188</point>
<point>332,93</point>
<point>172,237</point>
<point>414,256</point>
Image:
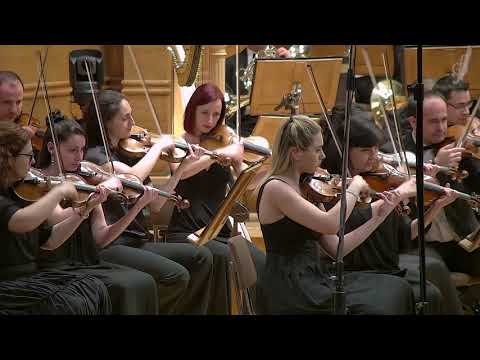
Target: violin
<point>322,187</point>
<point>36,128</point>
<point>471,141</point>
<point>386,177</point>
<point>140,141</point>
<point>256,148</point>
<point>35,185</point>
<point>133,187</point>
<point>394,160</point>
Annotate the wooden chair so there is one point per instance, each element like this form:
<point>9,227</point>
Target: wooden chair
<point>468,287</point>
<point>242,273</point>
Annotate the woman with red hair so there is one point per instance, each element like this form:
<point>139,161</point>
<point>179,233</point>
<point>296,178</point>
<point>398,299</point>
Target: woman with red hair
<point>204,183</point>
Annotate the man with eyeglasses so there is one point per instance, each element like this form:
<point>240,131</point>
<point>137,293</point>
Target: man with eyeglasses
<point>459,103</point>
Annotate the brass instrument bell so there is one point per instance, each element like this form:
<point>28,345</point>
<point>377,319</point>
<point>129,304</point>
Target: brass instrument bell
<point>382,94</point>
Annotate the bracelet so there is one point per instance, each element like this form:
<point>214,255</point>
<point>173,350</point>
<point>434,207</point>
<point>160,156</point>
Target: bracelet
<point>352,193</point>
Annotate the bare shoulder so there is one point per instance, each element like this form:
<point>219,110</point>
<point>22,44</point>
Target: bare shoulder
<point>279,190</point>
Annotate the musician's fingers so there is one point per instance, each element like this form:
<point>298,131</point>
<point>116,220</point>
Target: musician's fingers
<point>190,150</point>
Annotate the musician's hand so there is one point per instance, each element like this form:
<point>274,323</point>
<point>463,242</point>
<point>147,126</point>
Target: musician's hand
<point>68,190</point>
<point>449,156</point>
<point>149,194</point>
<point>391,199</point>
<point>431,169</point>
<point>30,130</point>
<point>358,185</point>
<point>146,138</point>
<point>165,144</point>
<point>283,53</point>
<point>233,151</point>
<point>194,153</point>
<point>112,184</point>
<point>99,197</point>
<point>449,197</point>
<point>407,189</point>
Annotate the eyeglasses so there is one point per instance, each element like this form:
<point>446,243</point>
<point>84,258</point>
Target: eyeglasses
<point>30,156</point>
<point>461,106</point>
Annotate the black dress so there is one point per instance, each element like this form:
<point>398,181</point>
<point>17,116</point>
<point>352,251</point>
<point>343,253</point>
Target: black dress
<point>132,292</point>
<point>379,253</point>
<point>183,272</point>
<point>206,190</point>
<point>26,290</point>
<point>296,280</point>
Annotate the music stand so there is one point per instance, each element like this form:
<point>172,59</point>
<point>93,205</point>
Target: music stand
<point>211,231</point>
<point>274,78</point>
<point>438,61</point>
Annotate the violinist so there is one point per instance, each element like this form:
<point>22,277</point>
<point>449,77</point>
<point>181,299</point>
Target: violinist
<point>11,96</point>
<point>296,278</point>
<point>24,289</point>
<point>459,103</point>
<point>182,271</point>
<point>457,220</point>
<point>204,183</point>
<point>381,251</point>
<point>132,292</point>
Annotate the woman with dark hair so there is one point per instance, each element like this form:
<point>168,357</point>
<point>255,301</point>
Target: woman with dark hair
<point>204,183</point>
<point>296,278</point>
<point>380,251</point>
<point>24,229</point>
<point>182,271</point>
<point>132,292</point>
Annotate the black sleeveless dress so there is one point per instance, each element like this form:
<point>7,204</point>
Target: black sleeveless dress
<point>296,280</point>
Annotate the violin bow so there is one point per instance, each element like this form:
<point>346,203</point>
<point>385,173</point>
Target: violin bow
<point>30,116</point>
<point>145,89</point>
<point>395,117</point>
<point>99,118</point>
<point>237,84</point>
<point>309,70</point>
<point>461,140</point>
<point>382,109</point>
<point>464,63</point>
<point>49,118</point>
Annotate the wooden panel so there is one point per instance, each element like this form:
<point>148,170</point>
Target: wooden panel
<point>439,61</point>
<point>23,59</point>
<point>113,64</point>
<point>155,64</point>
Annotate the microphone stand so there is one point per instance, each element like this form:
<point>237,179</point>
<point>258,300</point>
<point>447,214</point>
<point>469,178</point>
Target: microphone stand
<point>339,298</point>
<point>418,95</point>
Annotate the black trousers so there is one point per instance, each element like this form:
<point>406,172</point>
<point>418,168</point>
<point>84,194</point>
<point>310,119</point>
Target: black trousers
<point>437,274</point>
<point>220,296</point>
<point>183,273</point>
<point>456,258</point>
